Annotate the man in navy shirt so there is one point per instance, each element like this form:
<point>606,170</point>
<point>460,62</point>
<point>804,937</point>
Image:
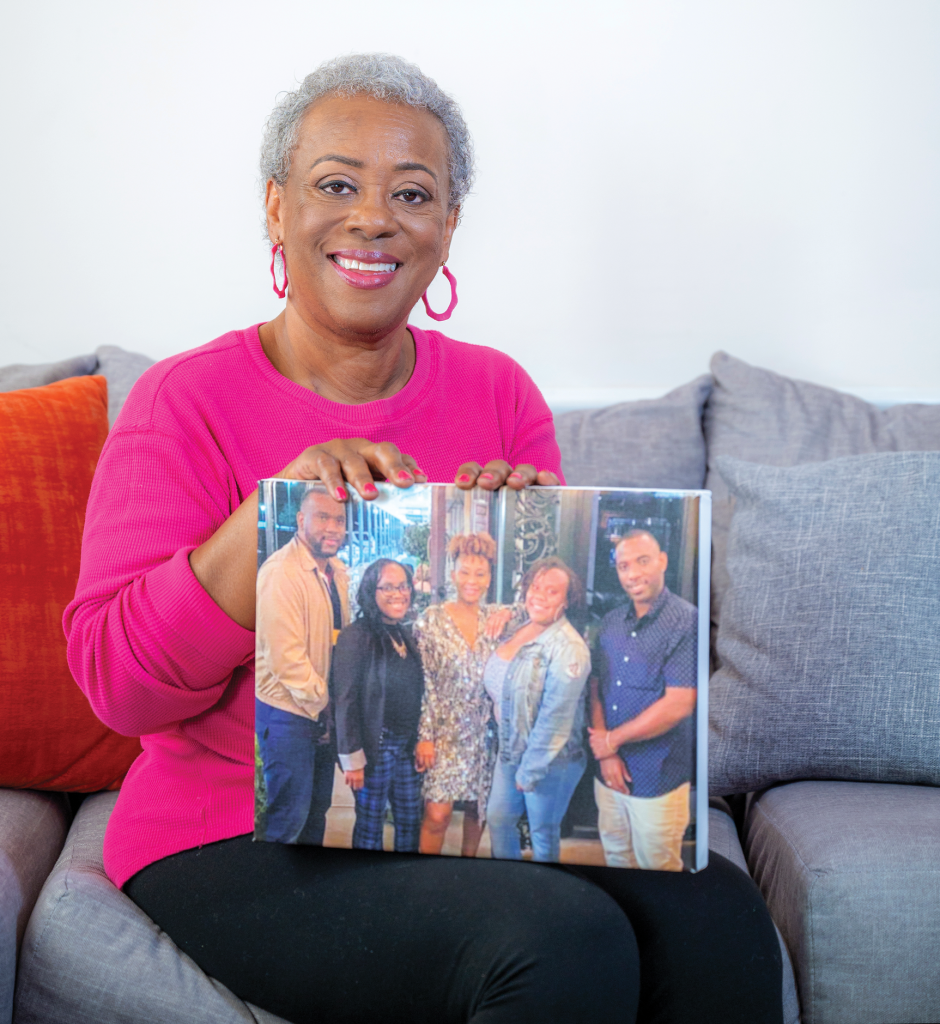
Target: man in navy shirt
<point>643,690</point>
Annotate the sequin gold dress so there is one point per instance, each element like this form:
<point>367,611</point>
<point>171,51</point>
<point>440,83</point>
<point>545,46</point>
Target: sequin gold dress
<point>456,709</point>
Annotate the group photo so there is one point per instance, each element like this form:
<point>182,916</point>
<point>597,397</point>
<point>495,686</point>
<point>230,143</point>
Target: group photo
<point>510,675</point>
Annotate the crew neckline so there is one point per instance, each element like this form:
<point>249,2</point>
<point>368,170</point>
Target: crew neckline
<point>397,405</point>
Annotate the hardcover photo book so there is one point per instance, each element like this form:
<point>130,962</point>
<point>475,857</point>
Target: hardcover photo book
<point>513,674</point>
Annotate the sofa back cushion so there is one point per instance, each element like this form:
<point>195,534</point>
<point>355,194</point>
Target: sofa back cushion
<point>760,416</point>
<point>49,736</point>
<point>828,642</point>
<point>652,443</point>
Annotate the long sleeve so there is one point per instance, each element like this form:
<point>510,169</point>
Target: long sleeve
<point>283,647</point>
<point>564,690</point>
<point>146,643</point>
<point>350,656</point>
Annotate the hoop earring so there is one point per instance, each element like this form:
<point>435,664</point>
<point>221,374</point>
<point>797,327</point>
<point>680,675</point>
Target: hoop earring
<point>275,249</point>
<point>453,298</point>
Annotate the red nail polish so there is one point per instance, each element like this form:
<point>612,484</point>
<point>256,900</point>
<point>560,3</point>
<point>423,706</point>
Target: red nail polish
<point>464,478</point>
<point>403,475</point>
<point>486,476</point>
<point>341,493</point>
<point>371,489</point>
<point>518,476</point>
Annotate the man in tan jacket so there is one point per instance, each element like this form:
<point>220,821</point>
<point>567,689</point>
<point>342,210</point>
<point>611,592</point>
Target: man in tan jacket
<point>303,602</point>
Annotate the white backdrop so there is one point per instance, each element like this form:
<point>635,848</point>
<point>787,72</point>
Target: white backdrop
<point>657,179</point>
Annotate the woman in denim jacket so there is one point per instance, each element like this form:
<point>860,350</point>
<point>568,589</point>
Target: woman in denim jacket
<point>536,681</point>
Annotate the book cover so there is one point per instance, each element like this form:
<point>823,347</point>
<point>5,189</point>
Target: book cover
<point>510,674</point>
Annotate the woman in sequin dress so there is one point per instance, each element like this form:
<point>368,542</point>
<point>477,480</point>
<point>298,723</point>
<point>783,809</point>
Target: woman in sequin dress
<point>455,640</point>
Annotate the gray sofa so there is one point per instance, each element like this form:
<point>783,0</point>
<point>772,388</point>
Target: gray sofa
<point>846,861</point>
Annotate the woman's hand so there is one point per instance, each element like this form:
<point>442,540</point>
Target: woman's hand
<point>424,756</point>
<point>356,778</point>
<point>356,461</point>
<point>615,775</point>
<point>498,472</point>
<point>496,623</point>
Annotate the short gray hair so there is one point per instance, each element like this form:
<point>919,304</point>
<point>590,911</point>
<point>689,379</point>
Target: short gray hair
<point>384,76</point>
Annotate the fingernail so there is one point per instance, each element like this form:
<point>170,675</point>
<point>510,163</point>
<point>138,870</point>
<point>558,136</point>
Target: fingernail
<point>487,476</point>
<point>464,478</point>
<point>403,475</point>
<point>341,493</point>
<point>515,476</point>
<point>371,489</point>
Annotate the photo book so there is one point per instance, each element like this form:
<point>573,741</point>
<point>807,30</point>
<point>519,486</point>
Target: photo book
<point>513,674</point>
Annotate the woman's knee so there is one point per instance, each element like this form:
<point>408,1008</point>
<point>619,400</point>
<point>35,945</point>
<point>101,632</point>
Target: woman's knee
<point>437,816</point>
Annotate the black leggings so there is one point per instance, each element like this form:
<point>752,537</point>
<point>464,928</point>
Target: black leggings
<point>353,937</point>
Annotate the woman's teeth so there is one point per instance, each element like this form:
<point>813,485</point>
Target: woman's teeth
<point>375,268</point>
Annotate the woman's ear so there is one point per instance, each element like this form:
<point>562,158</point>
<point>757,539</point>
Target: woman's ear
<point>272,206</point>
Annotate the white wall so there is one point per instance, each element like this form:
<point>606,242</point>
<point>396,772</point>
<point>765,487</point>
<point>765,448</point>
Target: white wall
<point>657,179</point>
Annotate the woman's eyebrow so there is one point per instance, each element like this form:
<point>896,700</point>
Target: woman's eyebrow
<point>415,167</point>
<point>348,160</point>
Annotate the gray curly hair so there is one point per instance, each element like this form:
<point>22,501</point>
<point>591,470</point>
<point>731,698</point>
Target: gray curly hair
<point>384,76</point>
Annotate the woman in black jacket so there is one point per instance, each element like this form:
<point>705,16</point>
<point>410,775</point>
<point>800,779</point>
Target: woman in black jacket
<point>377,684</point>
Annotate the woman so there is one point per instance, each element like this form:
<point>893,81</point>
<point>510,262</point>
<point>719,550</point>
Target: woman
<point>366,165</point>
<point>455,639</point>
<point>536,682</point>
<point>376,685</point>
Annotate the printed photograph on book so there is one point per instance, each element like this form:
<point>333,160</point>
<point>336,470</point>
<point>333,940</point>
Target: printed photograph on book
<point>518,674</point>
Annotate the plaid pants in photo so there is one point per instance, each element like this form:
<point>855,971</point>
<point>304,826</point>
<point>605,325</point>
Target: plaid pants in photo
<point>391,780</point>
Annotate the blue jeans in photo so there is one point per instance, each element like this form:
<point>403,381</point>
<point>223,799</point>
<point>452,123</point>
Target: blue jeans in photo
<point>545,806</point>
<point>298,774</point>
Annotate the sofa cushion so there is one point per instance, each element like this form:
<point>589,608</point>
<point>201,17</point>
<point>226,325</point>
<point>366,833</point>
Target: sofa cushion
<point>121,370</point>
<point>828,640</point>
<point>32,830</point>
<point>654,443</point>
<point>49,736</point>
<point>760,416</point>
<point>91,955</point>
<point>119,367</point>
<point>25,375</point>
<point>851,875</point>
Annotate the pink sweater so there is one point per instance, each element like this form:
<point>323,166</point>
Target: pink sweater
<point>155,655</point>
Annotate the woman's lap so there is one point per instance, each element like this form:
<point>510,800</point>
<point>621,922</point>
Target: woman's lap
<point>348,936</point>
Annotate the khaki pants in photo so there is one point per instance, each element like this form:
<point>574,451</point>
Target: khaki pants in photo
<point>642,832</point>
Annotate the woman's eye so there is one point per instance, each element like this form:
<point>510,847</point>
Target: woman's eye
<point>338,188</point>
<point>411,196</point>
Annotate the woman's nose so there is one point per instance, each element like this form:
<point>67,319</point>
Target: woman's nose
<point>371,216</point>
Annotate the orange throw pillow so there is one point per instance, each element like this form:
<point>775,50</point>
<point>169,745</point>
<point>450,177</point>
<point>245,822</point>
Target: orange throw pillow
<point>49,736</point>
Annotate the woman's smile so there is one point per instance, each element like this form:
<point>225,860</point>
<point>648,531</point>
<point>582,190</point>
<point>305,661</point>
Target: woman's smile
<point>363,269</point>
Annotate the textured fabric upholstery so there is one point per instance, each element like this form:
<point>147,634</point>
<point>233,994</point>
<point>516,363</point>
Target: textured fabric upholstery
<point>828,642</point>
<point>851,875</point>
<point>33,827</point>
<point>759,416</point>
<point>119,367</point>
<point>90,956</point>
<point>121,370</point>
<point>49,736</point>
<point>655,443</point>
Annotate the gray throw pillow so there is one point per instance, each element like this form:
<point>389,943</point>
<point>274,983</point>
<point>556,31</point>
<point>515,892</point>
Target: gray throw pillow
<point>121,369</point>
<point>24,375</point>
<point>763,417</point>
<point>653,443</point>
<point>830,635</point>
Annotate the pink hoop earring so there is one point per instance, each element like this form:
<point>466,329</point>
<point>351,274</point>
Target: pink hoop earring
<point>453,298</point>
<point>279,292</point>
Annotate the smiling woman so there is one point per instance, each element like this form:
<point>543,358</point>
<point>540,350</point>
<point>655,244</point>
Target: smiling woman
<point>365,168</point>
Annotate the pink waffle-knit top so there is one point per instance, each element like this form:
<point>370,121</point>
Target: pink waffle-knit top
<point>154,654</point>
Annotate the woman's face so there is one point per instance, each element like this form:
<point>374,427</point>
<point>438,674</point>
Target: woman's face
<point>393,593</point>
<point>471,577</point>
<point>363,216</point>
<point>547,597</point>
